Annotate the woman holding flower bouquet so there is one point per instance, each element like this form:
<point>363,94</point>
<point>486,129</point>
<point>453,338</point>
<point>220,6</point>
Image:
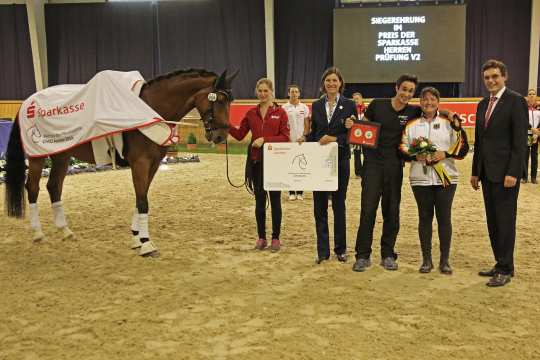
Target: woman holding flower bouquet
<point>432,144</point>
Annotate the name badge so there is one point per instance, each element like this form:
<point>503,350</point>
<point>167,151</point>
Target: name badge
<point>402,120</point>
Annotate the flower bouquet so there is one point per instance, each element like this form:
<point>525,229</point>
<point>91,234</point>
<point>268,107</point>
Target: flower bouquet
<point>422,146</point>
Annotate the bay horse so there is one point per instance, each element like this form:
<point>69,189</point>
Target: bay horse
<point>172,96</point>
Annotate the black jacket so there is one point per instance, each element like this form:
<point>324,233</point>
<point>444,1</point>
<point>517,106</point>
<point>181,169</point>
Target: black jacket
<point>500,149</point>
<point>320,126</point>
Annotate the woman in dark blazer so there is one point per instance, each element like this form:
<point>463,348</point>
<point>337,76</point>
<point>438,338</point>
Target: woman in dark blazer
<point>327,125</point>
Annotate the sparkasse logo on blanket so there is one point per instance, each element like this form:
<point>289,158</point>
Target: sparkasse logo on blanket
<point>31,111</point>
<point>55,111</point>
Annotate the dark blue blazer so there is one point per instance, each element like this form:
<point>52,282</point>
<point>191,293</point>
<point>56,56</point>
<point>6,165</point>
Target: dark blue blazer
<point>320,125</point>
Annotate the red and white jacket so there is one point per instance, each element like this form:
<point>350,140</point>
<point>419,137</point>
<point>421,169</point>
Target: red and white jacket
<point>273,128</point>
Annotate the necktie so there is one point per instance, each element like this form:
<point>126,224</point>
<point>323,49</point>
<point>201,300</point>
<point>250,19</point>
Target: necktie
<point>489,110</point>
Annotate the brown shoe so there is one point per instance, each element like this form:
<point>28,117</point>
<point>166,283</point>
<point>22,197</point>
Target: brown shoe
<point>499,280</point>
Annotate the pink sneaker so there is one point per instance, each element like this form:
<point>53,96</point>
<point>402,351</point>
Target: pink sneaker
<point>261,244</point>
<point>276,245</point>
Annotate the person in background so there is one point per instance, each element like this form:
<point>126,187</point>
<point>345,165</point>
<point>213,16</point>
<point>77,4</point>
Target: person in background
<point>500,146</point>
<point>434,177</point>
<point>268,123</point>
<point>382,173</point>
<point>328,115</point>
<point>357,149</point>
<point>298,114</point>
<point>534,132</point>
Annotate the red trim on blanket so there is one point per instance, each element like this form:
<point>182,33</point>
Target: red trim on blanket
<point>170,138</point>
<point>153,121</point>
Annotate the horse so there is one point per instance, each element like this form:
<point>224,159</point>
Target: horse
<point>172,96</point>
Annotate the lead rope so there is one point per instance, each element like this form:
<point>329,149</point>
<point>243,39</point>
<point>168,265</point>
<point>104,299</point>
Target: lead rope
<point>227,170</point>
<point>245,180</point>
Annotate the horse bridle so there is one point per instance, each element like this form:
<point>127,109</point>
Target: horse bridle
<point>208,118</point>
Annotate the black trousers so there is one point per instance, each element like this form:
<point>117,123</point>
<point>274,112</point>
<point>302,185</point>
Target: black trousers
<point>532,152</point>
<point>379,183</point>
<point>260,204</point>
<point>320,211</point>
<point>501,210</point>
<point>357,154</point>
<point>438,200</point>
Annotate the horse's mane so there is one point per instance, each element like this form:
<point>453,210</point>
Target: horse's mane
<point>183,73</point>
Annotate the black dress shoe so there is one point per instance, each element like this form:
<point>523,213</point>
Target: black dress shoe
<point>534,181</point>
<point>445,268</point>
<point>491,272</point>
<point>342,257</point>
<point>319,260</point>
<point>426,267</point>
<point>499,280</point>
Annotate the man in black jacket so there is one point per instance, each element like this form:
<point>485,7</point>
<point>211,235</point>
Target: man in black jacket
<point>499,153</point>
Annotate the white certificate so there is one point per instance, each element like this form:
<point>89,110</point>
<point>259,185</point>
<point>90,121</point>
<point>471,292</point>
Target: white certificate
<point>308,166</point>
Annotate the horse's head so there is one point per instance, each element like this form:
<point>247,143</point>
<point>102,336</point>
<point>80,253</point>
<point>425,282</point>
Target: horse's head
<point>214,104</point>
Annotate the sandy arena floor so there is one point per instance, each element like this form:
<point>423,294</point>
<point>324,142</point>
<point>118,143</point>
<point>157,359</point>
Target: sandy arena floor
<point>211,296</point>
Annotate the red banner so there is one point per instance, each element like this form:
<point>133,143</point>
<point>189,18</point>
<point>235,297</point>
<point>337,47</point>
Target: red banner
<point>466,111</point>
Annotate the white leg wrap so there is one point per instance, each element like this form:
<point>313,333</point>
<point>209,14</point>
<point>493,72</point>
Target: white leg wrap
<point>35,224</point>
<point>143,226</point>
<point>58,214</point>
<point>135,221</point>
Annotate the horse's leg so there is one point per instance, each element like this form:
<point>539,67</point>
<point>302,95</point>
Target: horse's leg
<point>136,242</point>
<point>141,181</point>
<point>58,173</point>
<point>35,166</point>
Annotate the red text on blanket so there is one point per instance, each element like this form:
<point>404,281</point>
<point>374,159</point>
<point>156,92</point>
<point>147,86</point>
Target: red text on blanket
<point>64,110</point>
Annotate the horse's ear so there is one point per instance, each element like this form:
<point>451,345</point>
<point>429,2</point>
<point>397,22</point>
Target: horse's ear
<point>221,80</point>
<point>229,80</point>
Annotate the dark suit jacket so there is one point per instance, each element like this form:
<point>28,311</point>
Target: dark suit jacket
<point>500,149</point>
<point>320,126</point>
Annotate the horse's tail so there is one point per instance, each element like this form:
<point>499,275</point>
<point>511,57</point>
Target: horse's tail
<point>15,173</point>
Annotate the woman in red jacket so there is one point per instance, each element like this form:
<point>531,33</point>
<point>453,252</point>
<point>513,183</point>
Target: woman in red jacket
<point>268,123</point>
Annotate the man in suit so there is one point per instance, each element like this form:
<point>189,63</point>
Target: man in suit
<point>499,154</point>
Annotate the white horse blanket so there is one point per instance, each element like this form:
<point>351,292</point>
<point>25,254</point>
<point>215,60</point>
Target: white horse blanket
<point>61,117</point>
